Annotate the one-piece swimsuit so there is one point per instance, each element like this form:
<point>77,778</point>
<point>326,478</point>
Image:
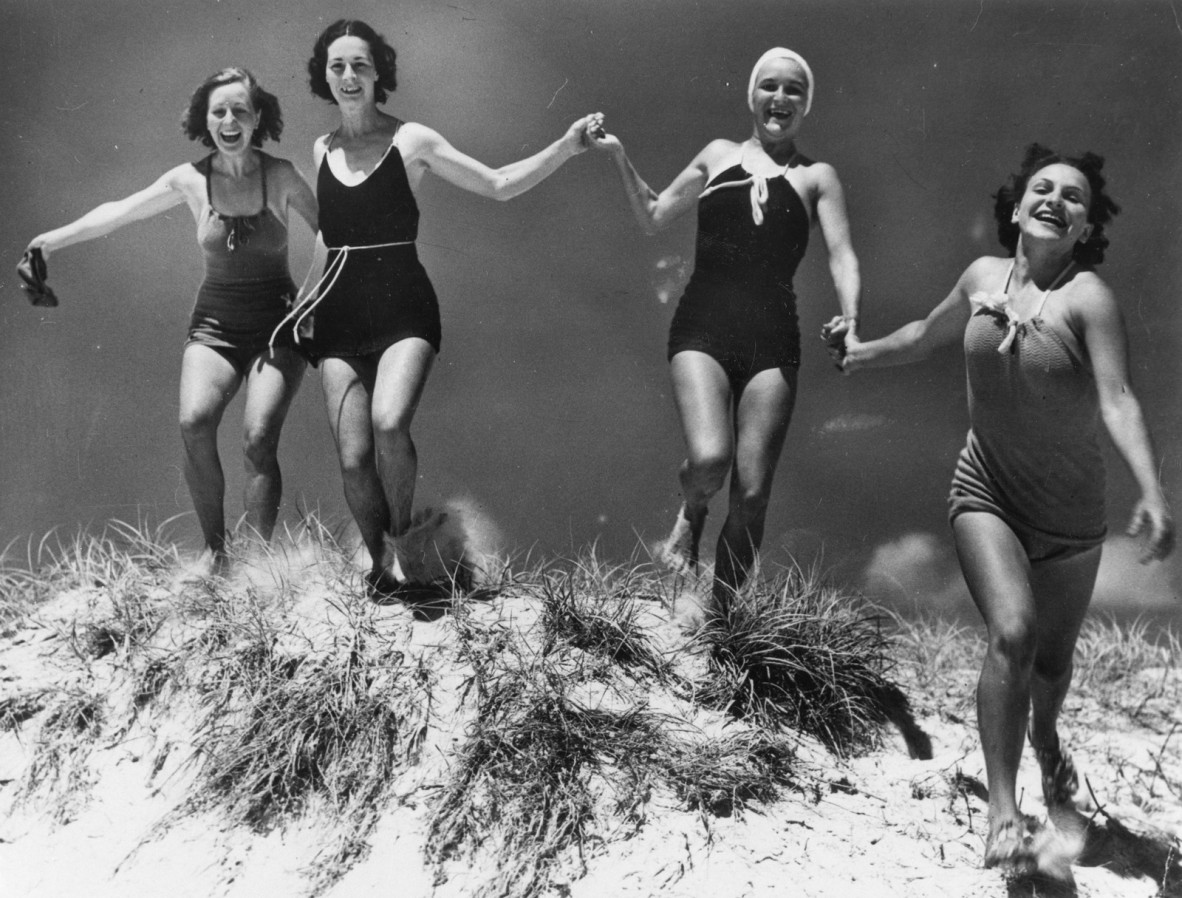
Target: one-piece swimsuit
<point>739,306</point>
<point>1033,455</point>
<point>247,287</point>
<point>381,293</point>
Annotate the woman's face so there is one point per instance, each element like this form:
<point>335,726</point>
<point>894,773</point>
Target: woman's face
<point>230,118</point>
<point>1055,204</point>
<point>350,71</point>
<point>779,97</point>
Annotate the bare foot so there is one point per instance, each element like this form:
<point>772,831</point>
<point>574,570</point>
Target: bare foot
<point>679,550</point>
<point>210,565</point>
<point>1010,847</point>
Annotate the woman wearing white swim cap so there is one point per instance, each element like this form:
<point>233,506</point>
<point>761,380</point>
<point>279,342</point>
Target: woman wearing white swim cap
<point>734,345</point>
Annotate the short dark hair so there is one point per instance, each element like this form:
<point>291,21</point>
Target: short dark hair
<point>1100,213</point>
<point>384,58</point>
<point>265,104</point>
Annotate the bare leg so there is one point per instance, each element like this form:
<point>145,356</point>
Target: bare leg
<point>348,386</point>
<point>270,388</point>
<point>762,416</point>
<point>208,383</point>
<point>401,377</point>
<point>998,576</point>
<point>702,394</point>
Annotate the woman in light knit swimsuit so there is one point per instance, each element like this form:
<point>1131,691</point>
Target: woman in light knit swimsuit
<point>240,198</point>
<point>1046,358</point>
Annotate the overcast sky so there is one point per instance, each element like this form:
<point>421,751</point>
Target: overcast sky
<point>549,405</point>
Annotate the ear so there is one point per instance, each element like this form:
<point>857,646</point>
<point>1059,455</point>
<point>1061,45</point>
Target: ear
<point>1086,235</point>
<point>1014,215</point>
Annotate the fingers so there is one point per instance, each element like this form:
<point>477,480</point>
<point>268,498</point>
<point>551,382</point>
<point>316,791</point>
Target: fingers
<point>1158,527</point>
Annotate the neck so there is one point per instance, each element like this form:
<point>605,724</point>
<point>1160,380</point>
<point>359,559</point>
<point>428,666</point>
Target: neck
<point>237,165</point>
<point>779,151</point>
<point>1041,264</point>
<point>359,120</point>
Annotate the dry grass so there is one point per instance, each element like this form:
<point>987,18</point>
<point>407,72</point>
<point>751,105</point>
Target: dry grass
<point>800,654</point>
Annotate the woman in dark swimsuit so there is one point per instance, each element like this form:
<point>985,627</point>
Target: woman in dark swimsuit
<point>375,328</point>
<point>240,198</point>
<point>1046,357</point>
<point>734,346</point>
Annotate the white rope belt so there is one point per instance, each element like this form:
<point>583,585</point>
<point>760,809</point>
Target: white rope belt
<point>307,300</point>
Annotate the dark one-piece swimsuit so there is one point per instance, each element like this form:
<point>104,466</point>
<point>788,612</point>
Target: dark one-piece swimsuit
<point>247,287</point>
<point>739,306</point>
<point>381,294</point>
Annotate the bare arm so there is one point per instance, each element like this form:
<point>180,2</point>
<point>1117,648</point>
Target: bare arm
<point>298,195</point>
<point>843,263</point>
<point>1104,334</point>
<point>167,191</point>
<point>916,340</point>
<point>655,210</point>
<point>428,147</point>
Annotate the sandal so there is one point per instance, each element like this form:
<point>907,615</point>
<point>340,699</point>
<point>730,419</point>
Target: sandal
<point>1060,782</point>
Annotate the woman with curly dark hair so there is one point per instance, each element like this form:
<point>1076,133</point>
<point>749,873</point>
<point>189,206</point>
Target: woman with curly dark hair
<point>375,318</point>
<point>241,199</point>
<point>1047,362</point>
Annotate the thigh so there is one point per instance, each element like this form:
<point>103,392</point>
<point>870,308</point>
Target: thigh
<point>271,385</point>
<point>401,377</point>
<point>348,387</point>
<point>208,382</point>
<point>702,394</point>
<point>762,416</point>
<point>997,572</point>
<point>1062,593</point>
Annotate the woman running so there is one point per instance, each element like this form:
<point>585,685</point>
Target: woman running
<point>240,198</point>
<point>375,322</point>
<point>734,346</point>
<point>1047,362</point>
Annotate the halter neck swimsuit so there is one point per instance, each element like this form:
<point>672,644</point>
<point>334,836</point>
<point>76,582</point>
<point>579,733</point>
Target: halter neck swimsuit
<point>382,293</point>
<point>247,286</point>
<point>739,306</point>
<point>1033,455</point>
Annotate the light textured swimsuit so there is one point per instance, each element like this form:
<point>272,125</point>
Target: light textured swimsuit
<point>247,287</point>
<point>1033,456</point>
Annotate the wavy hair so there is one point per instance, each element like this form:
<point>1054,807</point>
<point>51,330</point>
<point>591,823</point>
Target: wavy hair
<point>1100,213</point>
<point>266,107</point>
<point>384,58</point>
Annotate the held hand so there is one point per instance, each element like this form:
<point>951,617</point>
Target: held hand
<point>579,136</point>
<point>839,338</point>
<point>1153,519</point>
<point>39,242</point>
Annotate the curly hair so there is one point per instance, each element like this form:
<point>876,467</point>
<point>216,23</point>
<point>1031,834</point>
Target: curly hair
<point>266,106</point>
<point>1100,213</point>
<point>384,58</point>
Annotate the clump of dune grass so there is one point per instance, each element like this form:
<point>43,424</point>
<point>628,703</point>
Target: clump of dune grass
<point>720,775</point>
<point>1127,667</point>
<point>66,735</point>
<point>596,609</point>
<point>285,728</point>
<point>523,778</point>
<point>800,654</point>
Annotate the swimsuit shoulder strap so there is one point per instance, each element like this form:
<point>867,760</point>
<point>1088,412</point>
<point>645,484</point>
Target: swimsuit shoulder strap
<point>263,175</point>
<point>1054,284</point>
<point>1009,276</point>
<point>208,166</point>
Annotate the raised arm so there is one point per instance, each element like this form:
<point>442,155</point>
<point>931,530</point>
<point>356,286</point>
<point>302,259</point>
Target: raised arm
<point>1098,317</point>
<point>167,191</point>
<point>426,146</point>
<point>917,340</point>
<point>655,210</point>
<point>843,263</point>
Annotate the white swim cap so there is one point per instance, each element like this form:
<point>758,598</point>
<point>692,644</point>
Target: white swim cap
<point>781,53</point>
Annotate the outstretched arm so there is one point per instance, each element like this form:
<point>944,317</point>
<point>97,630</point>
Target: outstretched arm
<point>655,210</point>
<point>299,196</point>
<point>1107,344</point>
<point>843,263</point>
<point>424,145</point>
<point>167,191</point>
<point>916,340</point>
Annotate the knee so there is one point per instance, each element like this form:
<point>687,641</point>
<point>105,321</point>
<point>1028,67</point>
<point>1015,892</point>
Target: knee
<point>260,448</point>
<point>390,427</point>
<point>1014,643</point>
<point>1053,670</point>
<point>709,467</point>
<point>749,503</point>
<point>198,424</point>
